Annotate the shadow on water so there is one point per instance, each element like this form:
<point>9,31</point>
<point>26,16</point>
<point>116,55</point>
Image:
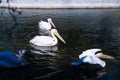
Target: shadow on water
<point>81,29</point>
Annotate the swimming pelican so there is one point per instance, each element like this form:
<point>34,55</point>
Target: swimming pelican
<point>47,40</point>
<point>45,27</point>
<point>10,59</point>
<point>92,56</point>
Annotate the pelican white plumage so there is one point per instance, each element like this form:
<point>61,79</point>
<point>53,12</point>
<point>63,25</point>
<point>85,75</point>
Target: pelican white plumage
<point>92,56</point>
<point>47,40</point>
<point>45,27</point>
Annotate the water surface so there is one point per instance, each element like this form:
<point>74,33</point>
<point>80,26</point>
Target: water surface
<point>81,28</point>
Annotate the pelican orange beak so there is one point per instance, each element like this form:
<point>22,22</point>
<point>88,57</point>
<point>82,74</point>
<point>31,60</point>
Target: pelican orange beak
<point>101,55</point>
<point>107,56</point>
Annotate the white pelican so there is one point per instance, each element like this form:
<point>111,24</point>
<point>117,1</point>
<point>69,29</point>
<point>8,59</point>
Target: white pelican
<point>92,56</point>
<point>47,40</point>
<point>45,27</point>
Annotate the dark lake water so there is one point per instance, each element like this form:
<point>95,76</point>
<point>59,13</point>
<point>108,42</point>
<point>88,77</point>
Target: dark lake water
<point>81,28</point>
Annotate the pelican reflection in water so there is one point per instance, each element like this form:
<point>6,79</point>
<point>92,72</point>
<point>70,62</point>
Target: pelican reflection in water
<point>44,50</point>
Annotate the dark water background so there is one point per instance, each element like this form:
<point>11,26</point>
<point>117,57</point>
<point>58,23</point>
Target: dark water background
<point>81,28</point>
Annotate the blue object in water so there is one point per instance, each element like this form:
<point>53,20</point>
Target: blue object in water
<point>77,63</point>
<point>10,59</point>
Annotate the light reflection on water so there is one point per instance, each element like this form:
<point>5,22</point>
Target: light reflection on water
<point>82,29</point>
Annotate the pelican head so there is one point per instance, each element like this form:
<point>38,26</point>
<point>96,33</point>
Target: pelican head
<point>95,52</point>
<point>51,22</point>
<point>55,32</point>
